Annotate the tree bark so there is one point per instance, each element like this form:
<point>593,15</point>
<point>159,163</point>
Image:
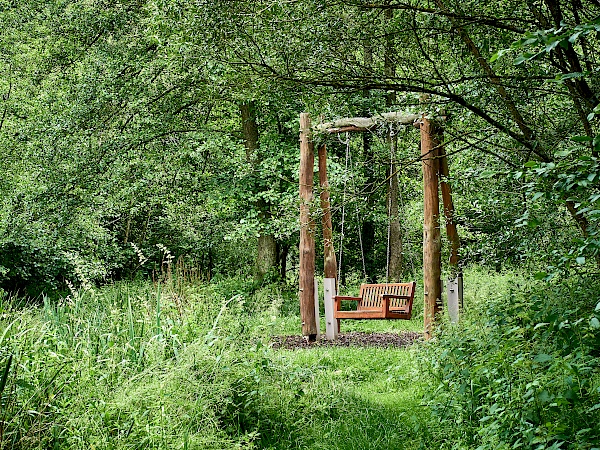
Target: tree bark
<point>330,262</point>
<point>432,284</point>
<point>266,249</point>
<point>368,226</point>
<point>451,230</point>
<point>395,268</point>
<point>307,231</point>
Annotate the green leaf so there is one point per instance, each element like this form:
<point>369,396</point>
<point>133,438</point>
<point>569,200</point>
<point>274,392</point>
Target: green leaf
<point>530,164</point>
<point>542,357</point>
<point>581,138</point>
<point>568,76</point>
<point>574,37</point>
<point>488,174</point>
<point>537,195</point>
<point>580,260</point>
<point>498,54</point>
<point>595,323</point>
<point>540,275</point>
<point>5,374</point>
<point>564,153</point>
<point>521,59</point>
<point>597,307</point>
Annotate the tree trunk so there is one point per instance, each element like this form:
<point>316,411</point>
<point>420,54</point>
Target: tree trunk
<point>432,246</point>
<point>283,251</point>
<point>395,269</point>
<point>451,230</point>
<point>266,255</point>
<point>307,231</point>
<point>368,226</point>
<point>266,251</point>
<point>330,261</point>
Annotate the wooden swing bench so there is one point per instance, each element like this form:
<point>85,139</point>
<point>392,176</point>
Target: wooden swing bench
<point>379,301</point>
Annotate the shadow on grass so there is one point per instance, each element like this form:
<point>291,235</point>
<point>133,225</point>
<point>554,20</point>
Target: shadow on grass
<point>351,422</point>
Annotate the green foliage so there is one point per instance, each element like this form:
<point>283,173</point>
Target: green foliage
<point>189,365</point>
<point>523,372</point>
<point>574,180</point>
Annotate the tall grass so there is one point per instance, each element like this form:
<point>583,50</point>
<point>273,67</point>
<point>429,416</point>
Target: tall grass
<point>188,365</point>
<point>179,365</point>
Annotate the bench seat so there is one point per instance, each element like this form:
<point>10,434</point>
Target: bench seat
<point>379,301</point>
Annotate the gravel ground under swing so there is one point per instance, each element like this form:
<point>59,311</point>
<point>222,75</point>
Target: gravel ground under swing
<point>353,339</point>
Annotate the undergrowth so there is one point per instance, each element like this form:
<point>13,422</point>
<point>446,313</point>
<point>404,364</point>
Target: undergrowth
<point>189,365</point>
<point>175,365</point>
<point>522,371</point>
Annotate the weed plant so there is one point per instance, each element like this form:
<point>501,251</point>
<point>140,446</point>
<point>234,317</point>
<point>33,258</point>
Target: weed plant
<point>188,365</point>
<point>523,370</point>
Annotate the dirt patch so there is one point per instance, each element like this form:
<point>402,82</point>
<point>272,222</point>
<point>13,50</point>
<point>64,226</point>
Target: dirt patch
<point>353,339</point>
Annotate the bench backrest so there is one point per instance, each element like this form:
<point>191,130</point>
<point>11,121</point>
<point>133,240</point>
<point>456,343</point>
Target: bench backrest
<point>371,295</point>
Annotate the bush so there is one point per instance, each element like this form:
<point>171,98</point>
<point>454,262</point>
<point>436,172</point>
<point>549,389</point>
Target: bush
<point>525,372</point>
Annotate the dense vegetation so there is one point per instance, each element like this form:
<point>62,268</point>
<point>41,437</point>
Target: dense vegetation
<point>148,222</point>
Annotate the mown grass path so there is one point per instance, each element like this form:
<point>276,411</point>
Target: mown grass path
<point>375,398</point>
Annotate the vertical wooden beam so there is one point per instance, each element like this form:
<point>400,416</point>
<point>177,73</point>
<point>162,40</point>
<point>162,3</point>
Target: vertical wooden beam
<point>455,283</point>
<point>307,231</point>
<point>432,284</point>
<point>451,231</point>
<point>330,261</point>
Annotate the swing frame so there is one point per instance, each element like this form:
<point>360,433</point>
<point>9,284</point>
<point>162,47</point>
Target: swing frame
<point>434,164</point>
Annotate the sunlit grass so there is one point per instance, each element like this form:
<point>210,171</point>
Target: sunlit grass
<point>190,366</point>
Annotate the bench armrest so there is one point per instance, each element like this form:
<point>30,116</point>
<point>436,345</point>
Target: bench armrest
<point>337,300</point>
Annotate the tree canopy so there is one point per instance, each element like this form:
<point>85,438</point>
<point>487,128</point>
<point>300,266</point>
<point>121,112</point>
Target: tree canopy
<point>121,128</point>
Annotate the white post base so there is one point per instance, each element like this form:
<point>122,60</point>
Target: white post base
<point>317,317</point>
<point>455,298</point>
<point>330,322</point>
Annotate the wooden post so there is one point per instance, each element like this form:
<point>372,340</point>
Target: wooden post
<point>330,261</point>
<point>432,284</point>
<point>307,231</point>
<point>455,283</point>
<point>449,211</point>
<point>331,324</point>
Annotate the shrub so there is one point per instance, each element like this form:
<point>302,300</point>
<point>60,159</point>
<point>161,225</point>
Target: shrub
<point>524,373</point>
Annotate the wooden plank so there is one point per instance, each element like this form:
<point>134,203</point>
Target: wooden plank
<point>331,324</point>
<point>370,315</point>
<point>367,123</point>
<point>374,298</point>
<point>363,124</point>
<point>307,231</point>
<point>432,246</point>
